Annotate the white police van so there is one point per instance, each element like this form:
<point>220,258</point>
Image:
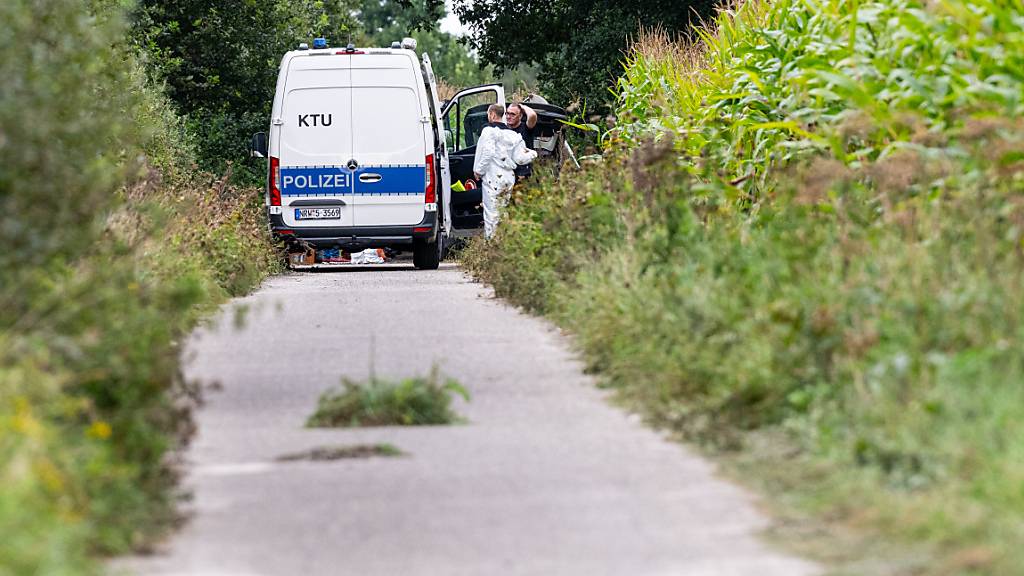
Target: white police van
<point>357,151</point>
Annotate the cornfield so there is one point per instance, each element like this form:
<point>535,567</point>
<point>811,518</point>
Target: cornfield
<point>807,234</point>
<point>770,83</point>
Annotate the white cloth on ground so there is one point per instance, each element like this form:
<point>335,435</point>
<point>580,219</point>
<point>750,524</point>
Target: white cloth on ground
<point>369,256</point>
<point>498,152</point>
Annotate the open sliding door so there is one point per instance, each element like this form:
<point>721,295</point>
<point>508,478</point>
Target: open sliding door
<point>465,117</point>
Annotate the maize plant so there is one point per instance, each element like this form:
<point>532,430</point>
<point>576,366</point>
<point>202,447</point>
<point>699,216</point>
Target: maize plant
<point>768,83</point>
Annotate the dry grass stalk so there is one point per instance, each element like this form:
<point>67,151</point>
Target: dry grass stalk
<point>446,91</point>
<point>685,58</point>
<point>821,176</point>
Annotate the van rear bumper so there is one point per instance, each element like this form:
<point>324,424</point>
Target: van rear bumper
<point>357,237</point>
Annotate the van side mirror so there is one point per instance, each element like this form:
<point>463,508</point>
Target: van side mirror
<point>258,146</point>
<point>449,139</point>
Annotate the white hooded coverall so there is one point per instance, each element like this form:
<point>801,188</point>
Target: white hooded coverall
<point>498,152</point>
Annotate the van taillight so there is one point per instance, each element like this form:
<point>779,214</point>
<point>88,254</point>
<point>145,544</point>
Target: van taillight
<point>275,179</point>
<point>431,195</point>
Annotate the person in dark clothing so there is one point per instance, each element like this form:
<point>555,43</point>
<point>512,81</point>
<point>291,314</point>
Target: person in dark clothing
<point>522,119</point>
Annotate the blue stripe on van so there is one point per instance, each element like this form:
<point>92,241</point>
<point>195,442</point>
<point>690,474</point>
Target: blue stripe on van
<point>338,180</point>
<point>393,180</point>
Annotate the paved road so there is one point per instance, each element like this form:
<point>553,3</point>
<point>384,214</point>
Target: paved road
<point>546,478</point>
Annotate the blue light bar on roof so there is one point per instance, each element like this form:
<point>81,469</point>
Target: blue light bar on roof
<point>320,43</point>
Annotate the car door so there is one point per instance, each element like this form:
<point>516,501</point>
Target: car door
<point>465,116</point>
<point>315,141</point>
<point>440,149</point>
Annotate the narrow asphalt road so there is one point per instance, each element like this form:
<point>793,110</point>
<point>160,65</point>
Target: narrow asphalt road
<point>544,478</point>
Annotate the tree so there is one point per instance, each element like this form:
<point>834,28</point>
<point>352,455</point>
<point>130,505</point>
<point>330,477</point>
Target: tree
<point>219,61</point>
<point>377,16</point>
<point>577,43</point>
<point>384,21</point>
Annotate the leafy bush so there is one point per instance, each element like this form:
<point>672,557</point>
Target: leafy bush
<point>811,223</point>
<point>410,402</point>
<point>92,398</point>
<point>60,130</point>
<point>115,246</point>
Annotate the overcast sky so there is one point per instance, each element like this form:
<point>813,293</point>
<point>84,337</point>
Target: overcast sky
<point>451,22</point>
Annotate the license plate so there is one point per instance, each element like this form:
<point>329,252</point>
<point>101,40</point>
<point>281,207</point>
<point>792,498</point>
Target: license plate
<point>317,213</point>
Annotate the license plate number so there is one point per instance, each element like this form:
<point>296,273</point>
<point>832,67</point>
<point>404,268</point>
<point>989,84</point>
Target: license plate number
<point>317,213</point>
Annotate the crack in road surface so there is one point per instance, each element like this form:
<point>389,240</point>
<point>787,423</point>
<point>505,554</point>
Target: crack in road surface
<point>544,478</point>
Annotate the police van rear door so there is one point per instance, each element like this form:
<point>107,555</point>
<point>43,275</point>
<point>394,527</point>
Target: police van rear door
<point>392,138</point>
<point>316,141</point>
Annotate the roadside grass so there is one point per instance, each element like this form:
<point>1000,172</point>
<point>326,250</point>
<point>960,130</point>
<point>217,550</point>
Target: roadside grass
<point>882,362</point>
<point>419,401</point>
<point>803,251</point>
<point>93,402</point>
<point>114,246</point>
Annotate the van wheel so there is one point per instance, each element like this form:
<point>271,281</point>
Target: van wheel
<point>427,256</point>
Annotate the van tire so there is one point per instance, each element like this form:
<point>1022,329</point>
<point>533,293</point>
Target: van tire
<point>427,255</point>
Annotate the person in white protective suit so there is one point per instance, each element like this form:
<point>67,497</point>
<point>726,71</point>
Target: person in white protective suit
<point>498,152</point>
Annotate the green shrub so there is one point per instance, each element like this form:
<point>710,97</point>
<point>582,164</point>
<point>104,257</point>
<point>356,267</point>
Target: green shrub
<point>410,402</point>
<point>92,401</point>
<point>66,128</point>
<point>114,247</point>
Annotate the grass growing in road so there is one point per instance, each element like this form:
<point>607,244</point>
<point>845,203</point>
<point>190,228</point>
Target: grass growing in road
<point>416,401</point>
<point>331,453</point>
